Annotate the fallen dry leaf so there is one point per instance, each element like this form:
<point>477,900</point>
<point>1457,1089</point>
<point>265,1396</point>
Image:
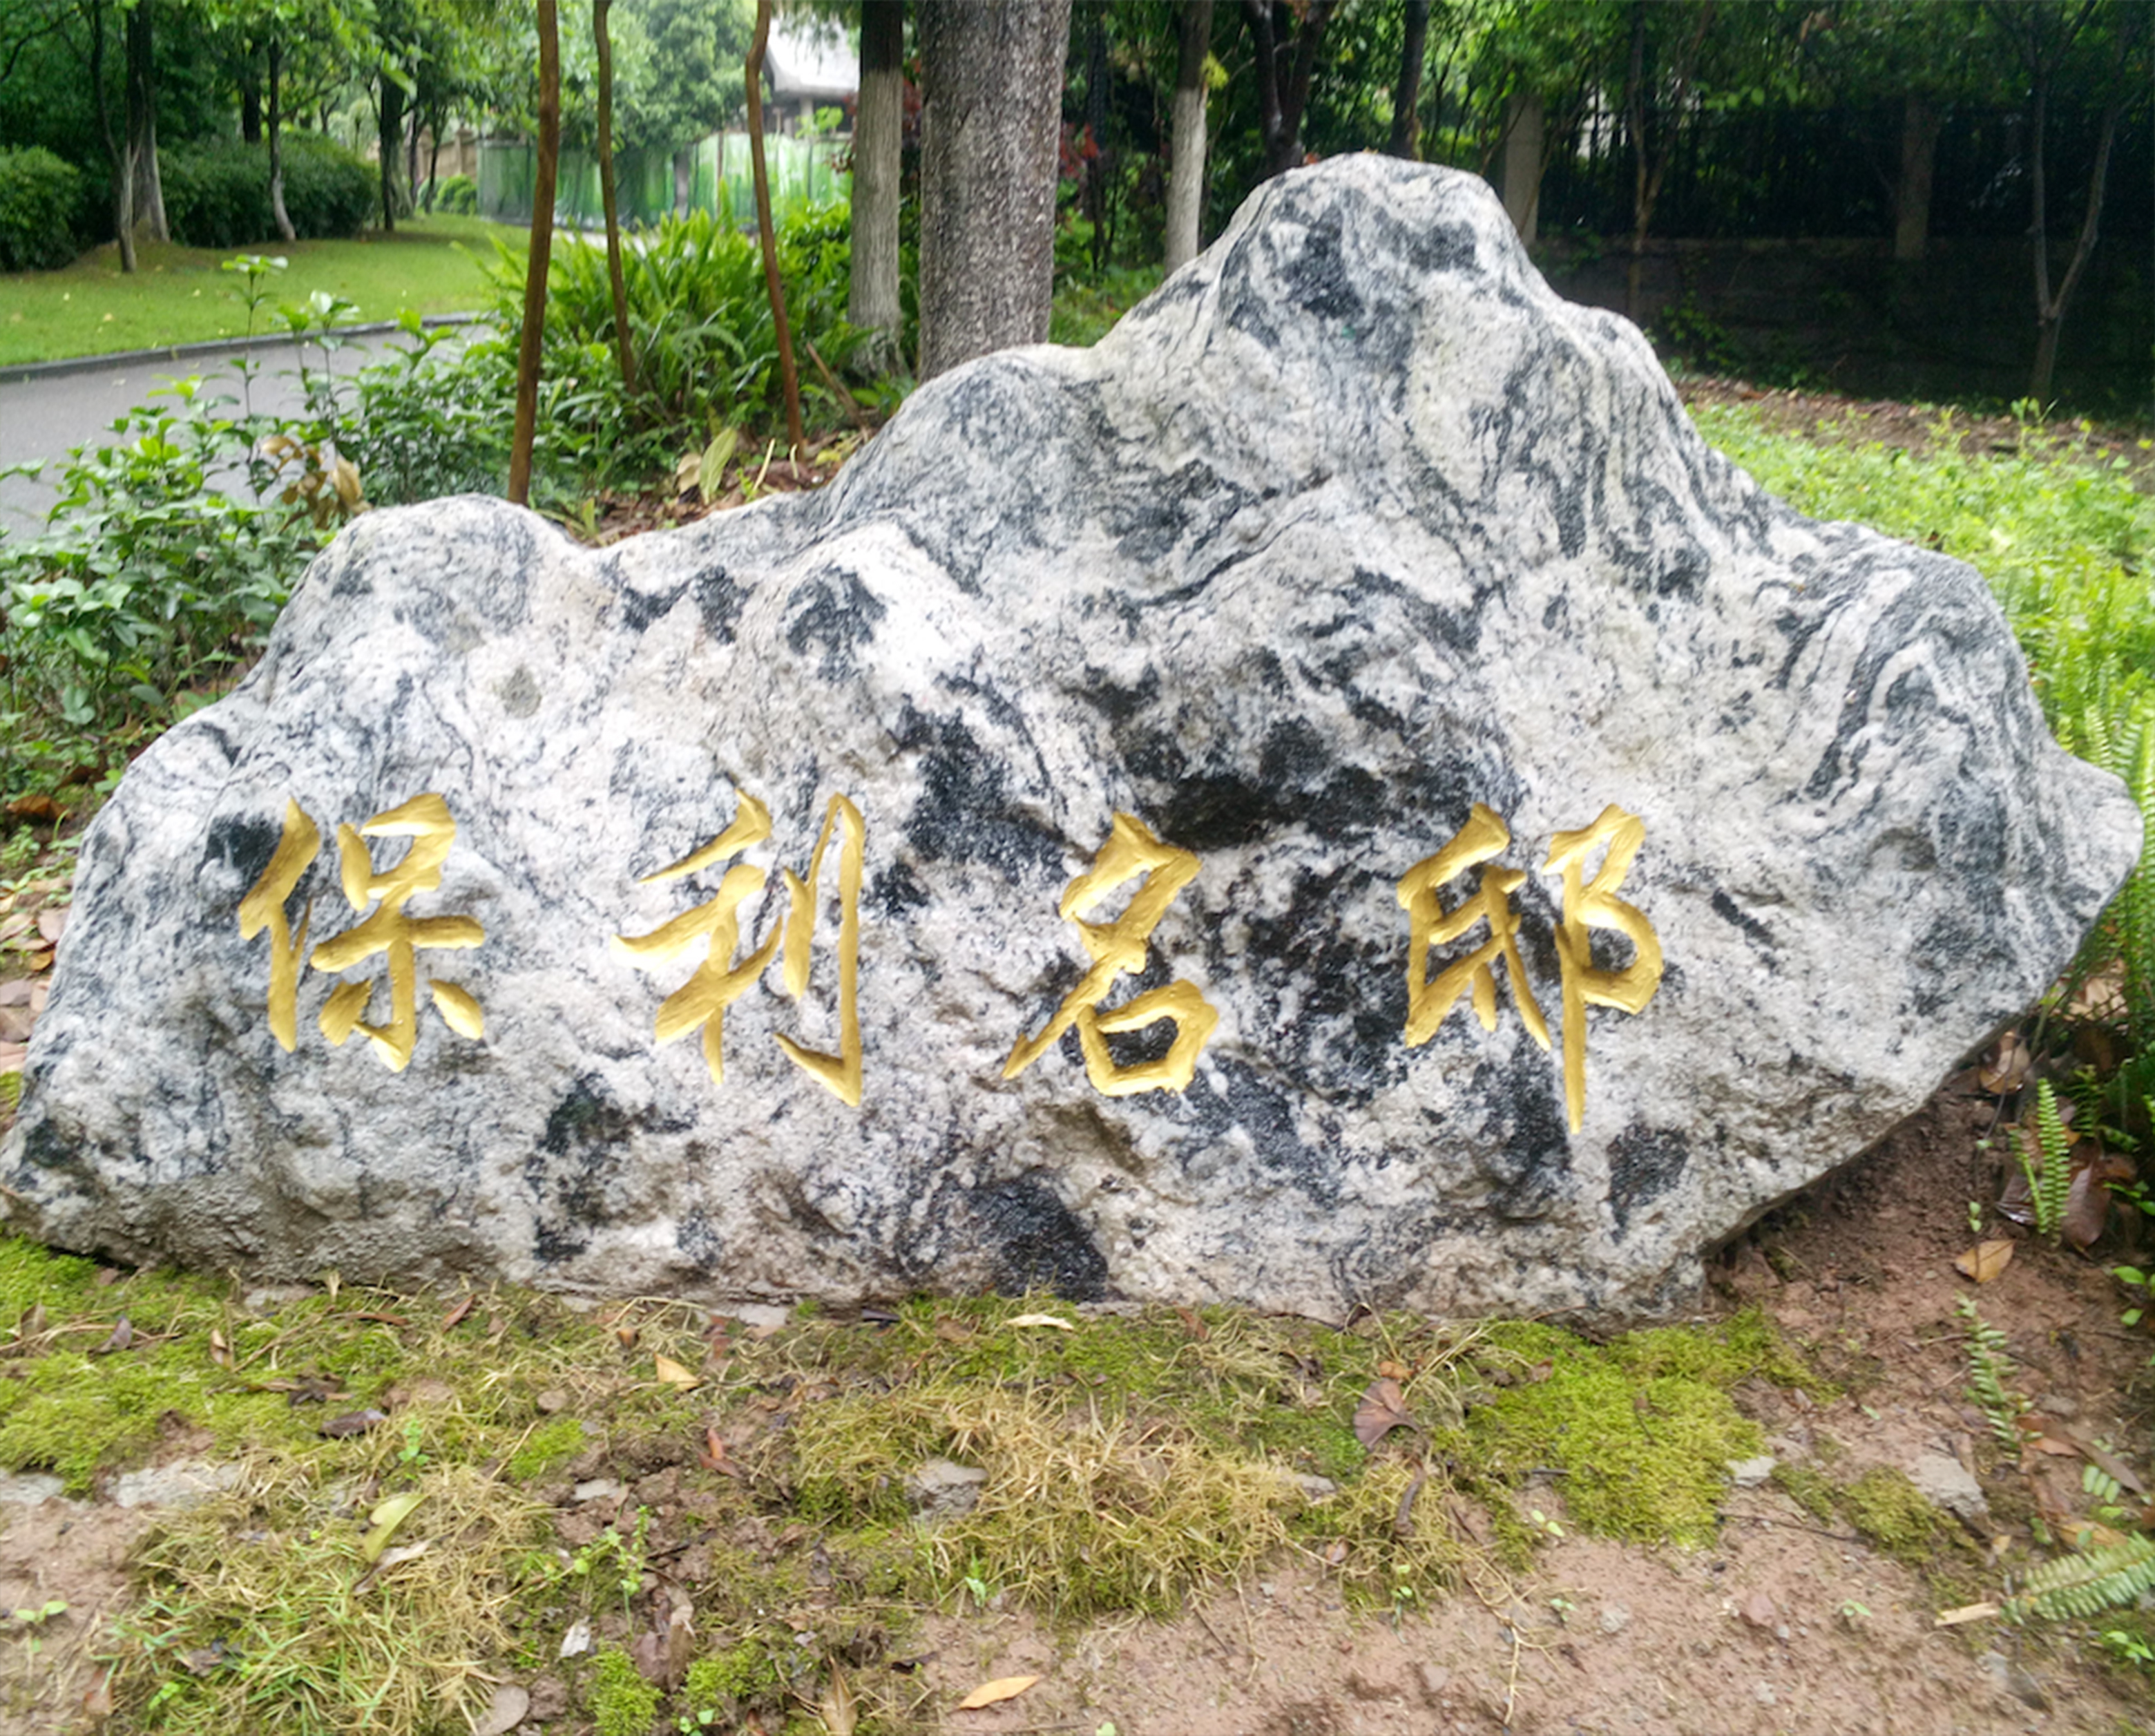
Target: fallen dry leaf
<point>1055,1320</point>
<point>123,1336</point>
<point>674,1374</point>
<point>1384,1408</point>
<point>38,961</point>
<point>52,923</point>
<point>1985,1261</point>
<point>714,1456</point>
<point>2006,1069</point>
<point>991,1693</point>
<point>356,1422</point>
<point>1394,1370</point>
<point>504,1712</point>
<point>952,1332</point>
<point>37,808</point>
<point>403,1553</point>
<point>97,1699</point>
<point>220,1352</point>
<point>1193,1323</point>
<point>385,1517</point>
<point>17,992</point>
<point>18,924</point>
<point>15,1024</point>
<point>2087,1202</point>
<point>455,1317</point>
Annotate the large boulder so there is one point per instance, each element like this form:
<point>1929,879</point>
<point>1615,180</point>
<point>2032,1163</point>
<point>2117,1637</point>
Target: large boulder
<point>1360,639</point>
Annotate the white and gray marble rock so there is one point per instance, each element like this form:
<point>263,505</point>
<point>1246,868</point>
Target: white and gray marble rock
<point>1352,525</point>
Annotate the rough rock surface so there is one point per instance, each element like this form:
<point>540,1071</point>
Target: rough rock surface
<point>1352,526</point>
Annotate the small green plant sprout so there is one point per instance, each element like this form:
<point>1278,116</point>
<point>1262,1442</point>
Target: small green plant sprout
<point>1403,1593</point>
<point>975,1582</point>
<point>1544,1524</point>
<point>1853,1614</point>
<point>37,1617</point>
<point>2141,1281</point>
<point>1562,1608</point>
<point>2129,1648</point>
<point>1990,1368</point>
<point>1975,1217</point>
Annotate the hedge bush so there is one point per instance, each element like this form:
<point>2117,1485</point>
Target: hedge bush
<point>218,195</point>
<point>39,195</point>
<point>457,196</point>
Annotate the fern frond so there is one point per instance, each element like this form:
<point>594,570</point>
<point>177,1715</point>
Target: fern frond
<point>2050,1189</point>
<point>2084,1585</point>
<point>1989,1367</point>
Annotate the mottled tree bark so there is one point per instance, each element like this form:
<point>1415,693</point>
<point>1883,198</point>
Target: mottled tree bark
<point>872,297</point>
<point>993,72</point>
<point>1185,178</point>
<point>1406,96</point>
<point>277,144</point>
<point>1525,136</point>
<point>1920,123</point>
<point>142,124</point>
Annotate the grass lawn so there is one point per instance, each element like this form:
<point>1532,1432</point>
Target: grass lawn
<point>180,295</point>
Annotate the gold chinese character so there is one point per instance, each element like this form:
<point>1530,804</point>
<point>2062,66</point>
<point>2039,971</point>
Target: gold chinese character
<point>1120,947</point>
<point>841,1072</point>
<point>264,904</point>
<point>1594,905</point>
<point>425,821</point>
<point>1484,836</point>
<point>703,999</point>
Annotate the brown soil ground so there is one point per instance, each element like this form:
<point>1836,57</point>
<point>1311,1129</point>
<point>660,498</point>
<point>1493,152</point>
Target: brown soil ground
<point>1789,1626</point>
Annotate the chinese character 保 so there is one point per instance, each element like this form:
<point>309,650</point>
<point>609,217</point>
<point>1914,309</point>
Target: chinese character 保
<point>1588,903</point>
<point>700,1003</point>
<point>1117,947</point>
<point>390,929</point>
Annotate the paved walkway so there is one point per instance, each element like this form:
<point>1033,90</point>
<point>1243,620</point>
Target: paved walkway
<point>48,410</point>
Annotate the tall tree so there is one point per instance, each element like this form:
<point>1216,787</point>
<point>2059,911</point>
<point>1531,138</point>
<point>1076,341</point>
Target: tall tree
<point>116,152</point>
<point>872,297</point>
<point>1406,97</point>
<point>603,41</point>
<point>766,232</point>
<point>1185,182</point>
<point>1284,69</point>
<point>533,336</point>
<point>993,73</point>
<point>142,122</point>
<point>1655,125</point>
<point>2045,34</point>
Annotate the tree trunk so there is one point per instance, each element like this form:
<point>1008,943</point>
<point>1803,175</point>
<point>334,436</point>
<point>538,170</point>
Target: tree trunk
<point>542,248</point>
<point>788,376</point>
<point>1283,94</point>
<point>1093,193</point>
<point>685,181</point>
<point>389,139</point>
<point>2050,310</point>
<point>434,163</point>
<point>1185,179</point>
<point>412,156</point>
<point>872,297</point>
<point>121,159</point>
<point>276,145</point>
<point>142,124</point>
<point>1525,136</point>
<point>993,70</point>
<point>1920,124</point>
<point>250,109</point>
<point>607,197</point>
<point>1406,96</point>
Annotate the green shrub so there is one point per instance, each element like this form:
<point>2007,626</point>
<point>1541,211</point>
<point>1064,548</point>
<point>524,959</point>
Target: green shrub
<point>699,323</point>
<point>40,196</point>
<point>218,194</point>
<point>456,197</point>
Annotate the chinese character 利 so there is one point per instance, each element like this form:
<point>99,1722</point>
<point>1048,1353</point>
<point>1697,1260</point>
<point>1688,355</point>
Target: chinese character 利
<point>701,1002</point>
<point>1593,904</point>
<point>426,822</point>
<point>1117,947</point>
<point>1483,837</point>
<point>841,1073</point>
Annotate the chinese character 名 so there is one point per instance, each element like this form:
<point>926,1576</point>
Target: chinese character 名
<point>426,822</point>
<point>1482,837</point>
<point>715,924</point>
<point>1120,947</point>
<point>1594,905</point>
